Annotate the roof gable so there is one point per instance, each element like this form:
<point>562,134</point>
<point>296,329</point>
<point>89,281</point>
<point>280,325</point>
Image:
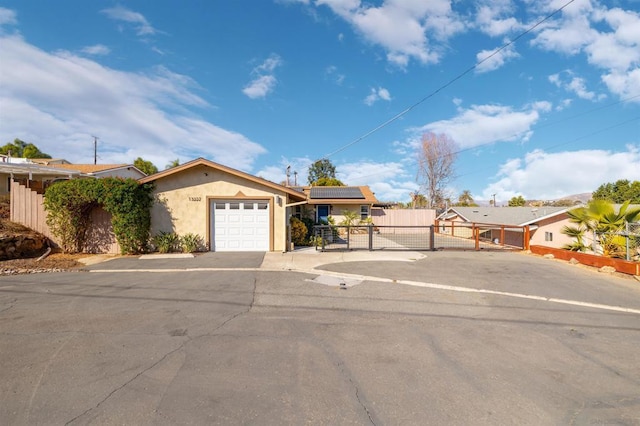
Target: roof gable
<point>504,215</point>
<point>207,163</point>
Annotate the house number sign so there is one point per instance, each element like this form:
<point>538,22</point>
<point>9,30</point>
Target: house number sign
<point>195,198</point>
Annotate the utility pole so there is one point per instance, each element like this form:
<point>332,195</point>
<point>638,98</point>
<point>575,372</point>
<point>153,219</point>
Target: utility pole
<point>295,178</point>
<point>288,174</point>
<point>95,149</point>
<point>494,200</point>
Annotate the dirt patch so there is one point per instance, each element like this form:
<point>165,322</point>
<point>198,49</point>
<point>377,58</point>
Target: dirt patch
<point>55,262</point>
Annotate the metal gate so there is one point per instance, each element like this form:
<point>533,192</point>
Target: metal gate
<point>459,236</point>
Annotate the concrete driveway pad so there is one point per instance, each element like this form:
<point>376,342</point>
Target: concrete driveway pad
<point>266,346</point>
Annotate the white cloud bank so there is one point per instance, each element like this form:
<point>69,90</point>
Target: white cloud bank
<point>140,23</point>
<point>58,100</point>
<point>548,176</point>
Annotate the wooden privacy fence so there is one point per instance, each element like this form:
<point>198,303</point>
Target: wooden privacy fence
<point>27,208</point>
<point>403,217</point>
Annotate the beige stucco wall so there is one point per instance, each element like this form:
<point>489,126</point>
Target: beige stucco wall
<point>183,199</point>
<point>553,225</point>
<point>337,211</point>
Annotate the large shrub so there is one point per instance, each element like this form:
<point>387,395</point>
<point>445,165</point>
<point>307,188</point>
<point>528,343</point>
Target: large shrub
<point>69,205</point>
<point>298,232</point>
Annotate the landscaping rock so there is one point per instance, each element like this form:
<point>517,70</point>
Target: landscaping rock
<point>574,261</point>
<point>549,256</point>
<point>607,269</point>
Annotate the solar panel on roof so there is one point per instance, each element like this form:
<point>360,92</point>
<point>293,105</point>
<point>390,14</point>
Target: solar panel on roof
<point>321,192</point>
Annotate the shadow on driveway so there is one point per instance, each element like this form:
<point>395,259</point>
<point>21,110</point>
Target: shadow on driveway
<point>178,261</point>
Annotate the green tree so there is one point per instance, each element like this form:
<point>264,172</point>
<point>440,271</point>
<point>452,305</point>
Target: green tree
<point>466,200</point>
<point>172,164</point>
<point>146,167</point>
<point>322,172</point>
<point>518,201</point>
<point>326,181</point>
<point>619,192</point>
<point>21,149</point>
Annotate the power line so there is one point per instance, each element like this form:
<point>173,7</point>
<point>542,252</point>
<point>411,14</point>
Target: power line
<point>450,82</point>
<point>580,114</point>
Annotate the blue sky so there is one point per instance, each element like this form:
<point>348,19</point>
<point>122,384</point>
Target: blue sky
<point>259,85</point>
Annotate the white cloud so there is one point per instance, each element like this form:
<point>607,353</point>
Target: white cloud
<point>120,13</point>
<point>548,176</point>
<point>57,101</point>
<point>8,16</point>
<point>624,85</point>
<point>493,18</point>
<point>577,85</point>
<point>96,49</point>
<point>610,39</point>
<point>403,28</point>
<point>260,87</point>
<point>486,62</point>
<point>388,180</point>
<point>377,94</point>
<point>484,124</point>
<point>278,173</point>
<point>332,73</point>
<point>264,81</point>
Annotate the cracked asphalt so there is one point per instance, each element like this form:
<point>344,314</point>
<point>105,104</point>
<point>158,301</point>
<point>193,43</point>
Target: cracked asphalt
<point>265,347</point>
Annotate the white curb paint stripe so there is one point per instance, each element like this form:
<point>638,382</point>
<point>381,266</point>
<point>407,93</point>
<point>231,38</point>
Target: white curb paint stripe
<point>393,281</point>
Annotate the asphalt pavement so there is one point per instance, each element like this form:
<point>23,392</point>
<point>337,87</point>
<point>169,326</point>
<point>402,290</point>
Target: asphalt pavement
<point>321,338</point>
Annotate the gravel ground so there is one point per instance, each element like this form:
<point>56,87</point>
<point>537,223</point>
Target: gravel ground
<point>55,262</point>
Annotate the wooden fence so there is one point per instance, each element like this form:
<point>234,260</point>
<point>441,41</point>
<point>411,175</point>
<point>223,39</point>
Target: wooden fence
<point>403,217</point>
<point>27,208</point>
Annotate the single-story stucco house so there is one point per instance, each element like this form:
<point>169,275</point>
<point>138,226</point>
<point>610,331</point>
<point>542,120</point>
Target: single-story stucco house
<point>545,223</point>
<point>229,209</point>
<point>325,201</point>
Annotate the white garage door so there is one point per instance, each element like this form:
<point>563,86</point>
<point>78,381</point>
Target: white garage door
<point>241,225</point>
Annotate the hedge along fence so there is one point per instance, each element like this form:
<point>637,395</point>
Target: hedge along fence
<point>624,266</point>
<point>69,205</point>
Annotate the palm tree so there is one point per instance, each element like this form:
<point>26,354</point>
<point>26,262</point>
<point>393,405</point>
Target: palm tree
<point>600,218</point>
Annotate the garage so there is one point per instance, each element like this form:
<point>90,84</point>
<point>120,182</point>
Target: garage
<point>240,225</point>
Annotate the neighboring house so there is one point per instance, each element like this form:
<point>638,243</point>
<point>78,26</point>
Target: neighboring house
<point>325,201</point>
<point>103,170</point>
<point>231,210</point>
<point>545,223</point>
<point>33,176</point>
<point>37,176</point>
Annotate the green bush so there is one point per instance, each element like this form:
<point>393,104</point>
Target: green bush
<point>69,205</point>
<point>166,242</point>
<point>191,243</point>
<point>298,232</point>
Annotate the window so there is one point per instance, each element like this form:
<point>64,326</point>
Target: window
<point>297,212</point>
<point>248,206</point>
<point>234,206</point>
<point>548,236</point>
<point>364,212</point>
<point>221,206</point>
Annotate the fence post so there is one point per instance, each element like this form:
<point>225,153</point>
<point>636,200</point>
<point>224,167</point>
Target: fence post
<point>370,238</point>
<point>432,238</point>
<point>348,236</point>
<point>476,236</point>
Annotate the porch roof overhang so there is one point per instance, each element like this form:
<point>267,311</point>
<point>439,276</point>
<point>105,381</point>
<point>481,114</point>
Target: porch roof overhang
<point>32,170</point>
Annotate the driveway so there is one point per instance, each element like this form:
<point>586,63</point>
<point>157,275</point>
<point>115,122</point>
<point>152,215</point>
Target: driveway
<point>446,338</point>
